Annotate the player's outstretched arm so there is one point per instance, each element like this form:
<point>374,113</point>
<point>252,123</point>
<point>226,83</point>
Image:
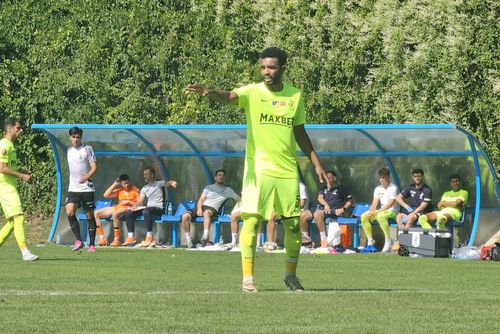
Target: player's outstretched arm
<point>306,146</point>
<point>217,95</point>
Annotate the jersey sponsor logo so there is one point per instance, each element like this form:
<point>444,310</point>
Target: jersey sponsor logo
<point>274,119</point>
<point>280,104</point>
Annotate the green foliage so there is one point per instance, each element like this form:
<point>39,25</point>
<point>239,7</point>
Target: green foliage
<point>357,61</point>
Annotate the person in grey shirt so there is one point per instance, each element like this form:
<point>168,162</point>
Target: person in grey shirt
<point>149,204</point>
<point>208,205</point>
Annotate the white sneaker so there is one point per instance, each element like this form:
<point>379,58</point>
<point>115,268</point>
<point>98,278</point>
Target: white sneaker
<point>387,246</point>
<point>30,257</point>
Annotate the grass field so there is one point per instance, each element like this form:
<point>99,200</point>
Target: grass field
<point>179,291</point>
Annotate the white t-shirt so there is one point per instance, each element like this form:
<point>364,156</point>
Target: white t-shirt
<point>386,194</point>
<point>216,195</point>
<point>153,193</point>
<point>304,195</point>
<point>79,160</point>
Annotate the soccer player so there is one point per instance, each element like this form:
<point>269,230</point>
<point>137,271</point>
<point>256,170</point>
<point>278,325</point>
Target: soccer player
<point>420,196</point>
<point>127,195</point>
<point>209,203</point>
<point>451,206</point>
<point>275,120</point>
<point>385,194</point>
<point>82,166</point>
<point>9,197</point>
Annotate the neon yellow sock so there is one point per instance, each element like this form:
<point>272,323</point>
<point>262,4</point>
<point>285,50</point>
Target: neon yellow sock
<point>367,226</point>
<point>6,230</point>
<point>424,222</point>
<point>19,231</point>
<point>293,238</point>
<point>383,221</point>
<point>248,242</point>
<point>441,222</point>
<point>291,266</point>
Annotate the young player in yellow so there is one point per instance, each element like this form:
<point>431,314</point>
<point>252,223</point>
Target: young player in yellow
<point>275,120</point>
<point>451,206</point>
<point>9,197</point>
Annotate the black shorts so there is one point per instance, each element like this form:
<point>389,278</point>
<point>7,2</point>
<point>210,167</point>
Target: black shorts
<point>84,199</point>
<point>194,212</point>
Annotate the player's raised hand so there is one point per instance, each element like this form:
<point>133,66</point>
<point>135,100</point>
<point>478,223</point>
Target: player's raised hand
<point>195,88</point>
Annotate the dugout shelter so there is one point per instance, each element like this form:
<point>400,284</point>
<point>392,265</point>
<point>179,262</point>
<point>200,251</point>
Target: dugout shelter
<point>190,154</point>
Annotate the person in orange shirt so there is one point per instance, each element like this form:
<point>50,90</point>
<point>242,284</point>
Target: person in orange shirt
<point>127,195</point>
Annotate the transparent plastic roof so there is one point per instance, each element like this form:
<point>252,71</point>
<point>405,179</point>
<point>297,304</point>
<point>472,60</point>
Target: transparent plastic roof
<point>191,153</point>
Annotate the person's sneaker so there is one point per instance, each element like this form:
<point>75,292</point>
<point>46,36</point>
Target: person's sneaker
<point>248,286</point>
<point>77,244</point>
<point>131,241</point>
<point>103,242</point>
<point>189,243</point>
<point>324,243</point>
<point>116,243</point>
<point>271,246</point>
<point>387,246</point>
<point>293,283</point>
<point>146,242</point>
<point>30,257</point>
<point>91,249</point>
<point>306,241</point>
<point>203,242</point>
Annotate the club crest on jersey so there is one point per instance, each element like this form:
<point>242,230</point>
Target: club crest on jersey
<point>279,104</point>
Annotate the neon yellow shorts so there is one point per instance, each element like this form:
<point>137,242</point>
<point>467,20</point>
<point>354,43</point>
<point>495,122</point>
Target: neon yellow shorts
<point>455,214</point>
<point>10,201</point>
<point>264,195</point>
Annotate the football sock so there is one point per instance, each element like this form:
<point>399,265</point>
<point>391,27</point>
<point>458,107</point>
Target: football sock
<point>291,267</point>
<point>259,239</point>
<point>92,228</point>
<point>322,235</point>
<point>248,240</point>
<point>367,226</point>
<point>205,234</point>
<point>424,222</point>
<point>293,239</point>
<point>6,230</point>
<point>441,222</point>
<point>100,232</point>
<point>149,234</point>
<point>75,227</point>
<point>187,235</point>
<point>234,237</point>
<point>130,234</point>
<point>25,251</point>
<point>384,225</point>
<point>19,230</point>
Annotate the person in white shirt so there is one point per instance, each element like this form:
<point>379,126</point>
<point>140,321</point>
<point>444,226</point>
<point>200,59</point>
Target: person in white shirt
<point>149,204</point>
<point>385,194</point>
<point>82,166</point>
<point>209,203</point>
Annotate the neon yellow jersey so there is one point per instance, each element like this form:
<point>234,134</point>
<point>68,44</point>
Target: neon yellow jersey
<point>8,156</point>
<point>271,148</point>
<point>451,195</point>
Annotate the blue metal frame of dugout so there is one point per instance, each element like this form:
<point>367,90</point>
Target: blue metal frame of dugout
<point>192,137</point>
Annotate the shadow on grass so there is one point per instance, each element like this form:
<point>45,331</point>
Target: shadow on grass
<point>371,290</point>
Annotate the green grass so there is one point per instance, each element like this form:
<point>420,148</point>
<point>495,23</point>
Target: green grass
<point>179,291</point>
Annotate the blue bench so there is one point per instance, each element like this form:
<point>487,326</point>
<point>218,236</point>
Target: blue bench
<point>176,218</point>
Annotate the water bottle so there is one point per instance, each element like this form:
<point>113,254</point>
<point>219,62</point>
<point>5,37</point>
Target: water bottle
<point>169,209</point>
<point>58,239</point>
<point>221,240</point>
